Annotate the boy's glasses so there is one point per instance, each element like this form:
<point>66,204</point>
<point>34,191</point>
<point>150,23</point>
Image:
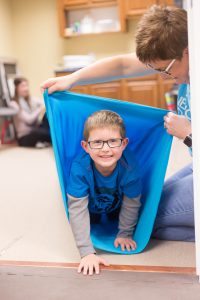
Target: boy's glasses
<point>98,144</point>
<point>166,70</point>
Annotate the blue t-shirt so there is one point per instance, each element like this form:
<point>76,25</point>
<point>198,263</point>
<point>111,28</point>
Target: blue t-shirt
<point>183,103</point>
<point>105,192</point>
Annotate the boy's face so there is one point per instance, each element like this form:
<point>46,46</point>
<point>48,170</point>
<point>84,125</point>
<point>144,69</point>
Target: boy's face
<point>179,70</point>
<point>106,158</point>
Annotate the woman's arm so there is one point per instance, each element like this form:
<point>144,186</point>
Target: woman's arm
<point>29,118</point>
<point>104,70</point>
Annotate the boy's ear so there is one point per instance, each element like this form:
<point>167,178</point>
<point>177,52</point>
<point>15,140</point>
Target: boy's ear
<point>125,142</point>
<point>84,145</point>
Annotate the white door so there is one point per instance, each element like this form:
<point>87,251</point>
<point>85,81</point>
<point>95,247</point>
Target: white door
<point>193,8</point>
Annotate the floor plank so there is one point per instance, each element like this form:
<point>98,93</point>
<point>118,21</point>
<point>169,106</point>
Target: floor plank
<point>17,283</point>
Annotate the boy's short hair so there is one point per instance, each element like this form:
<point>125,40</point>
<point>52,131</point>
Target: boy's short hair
<point>104,119</point>
<point>161,34</point>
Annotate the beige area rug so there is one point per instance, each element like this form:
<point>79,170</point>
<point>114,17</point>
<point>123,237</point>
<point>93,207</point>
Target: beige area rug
<point>33,224</point>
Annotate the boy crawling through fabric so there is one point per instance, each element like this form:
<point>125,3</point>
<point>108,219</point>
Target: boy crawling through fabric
<point>104,179</point>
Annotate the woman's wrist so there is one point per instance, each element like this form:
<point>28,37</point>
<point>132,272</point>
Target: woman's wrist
<point>188,140</point>
<point>74,79</point>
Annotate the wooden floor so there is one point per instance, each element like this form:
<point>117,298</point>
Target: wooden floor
<point>32,283</point>
<point>38,256</point>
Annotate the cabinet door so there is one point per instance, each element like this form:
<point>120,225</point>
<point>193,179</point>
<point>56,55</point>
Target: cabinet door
<point>81,89</point>
<point>106,2</point>
<point>166,2</point>
<point>107,90</point>
<point>88,2</point>
<point>75,2</point>
<point>141,92</point>
<point>135,7</point>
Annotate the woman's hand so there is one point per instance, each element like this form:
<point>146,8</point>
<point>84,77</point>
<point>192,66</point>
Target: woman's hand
<point>42,112</point>
<point>90,263</point>
<point>176,125</point>
<point>58,83</point>
<point>125,243</point>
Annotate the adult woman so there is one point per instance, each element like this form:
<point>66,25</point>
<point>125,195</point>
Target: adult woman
<point>30,123</point>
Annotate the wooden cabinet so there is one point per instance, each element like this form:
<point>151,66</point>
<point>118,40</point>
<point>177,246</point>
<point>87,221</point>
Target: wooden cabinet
<point>134,8</point>
<point>75,2</point>
<point>137,7</point>
<point>85,3</point>
<point>80,89</point>
<point>73,13</point>
<point>148,90</point>
<point>141,92</point>
<point>107,90</point>
<point>126,9</point>
<point>104,2</point>
<point>166,2</point>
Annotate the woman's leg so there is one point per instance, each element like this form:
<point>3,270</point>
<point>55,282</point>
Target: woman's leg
<point>45,123</point>
<point>187,170</point>
<point>175,217</point>
<point>37,135</point>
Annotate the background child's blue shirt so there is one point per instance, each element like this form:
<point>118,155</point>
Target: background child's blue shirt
<point>105,193</point>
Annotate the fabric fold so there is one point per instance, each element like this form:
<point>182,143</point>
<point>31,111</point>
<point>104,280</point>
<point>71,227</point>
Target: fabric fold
<point>148,140</point>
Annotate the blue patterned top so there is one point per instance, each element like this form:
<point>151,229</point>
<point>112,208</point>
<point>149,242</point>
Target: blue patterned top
<point>183,103</point>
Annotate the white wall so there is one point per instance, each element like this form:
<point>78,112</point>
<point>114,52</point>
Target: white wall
<point>103,45</point>
<point>6,29</point>
<point>194,50</point>
<point>37,44</point>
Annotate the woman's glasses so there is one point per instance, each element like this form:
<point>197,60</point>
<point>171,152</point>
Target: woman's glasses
<point>164,71</point>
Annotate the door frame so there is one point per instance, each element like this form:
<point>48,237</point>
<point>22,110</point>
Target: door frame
<point>193,8</point>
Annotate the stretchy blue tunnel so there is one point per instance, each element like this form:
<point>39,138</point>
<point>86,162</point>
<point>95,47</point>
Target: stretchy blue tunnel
<point>148,140</point>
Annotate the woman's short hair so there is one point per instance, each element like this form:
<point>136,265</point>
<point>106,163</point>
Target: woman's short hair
<point>161,34</point>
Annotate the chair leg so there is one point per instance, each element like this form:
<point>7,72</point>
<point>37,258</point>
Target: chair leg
<point>4,128</point>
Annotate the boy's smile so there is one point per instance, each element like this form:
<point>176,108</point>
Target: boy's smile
<point>105,159</point>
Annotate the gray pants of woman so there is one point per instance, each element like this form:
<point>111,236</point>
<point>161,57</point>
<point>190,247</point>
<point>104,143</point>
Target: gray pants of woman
<point>175,217</point>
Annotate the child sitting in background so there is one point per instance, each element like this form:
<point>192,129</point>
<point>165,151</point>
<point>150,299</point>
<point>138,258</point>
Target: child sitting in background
<point>31,124</point>
<point>104,179</point>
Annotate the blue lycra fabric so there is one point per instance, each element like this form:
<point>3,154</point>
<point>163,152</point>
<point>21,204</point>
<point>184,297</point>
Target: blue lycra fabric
<point>148,139</point>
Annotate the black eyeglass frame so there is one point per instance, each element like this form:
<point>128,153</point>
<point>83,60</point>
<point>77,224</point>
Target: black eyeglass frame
<point>166,70</point>
<point>105,142</point>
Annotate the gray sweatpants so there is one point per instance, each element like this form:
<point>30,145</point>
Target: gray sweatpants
<point>175,217</point>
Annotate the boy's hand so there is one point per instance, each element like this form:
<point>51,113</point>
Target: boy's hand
<point>125,243</point>
<point>90,263</point>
